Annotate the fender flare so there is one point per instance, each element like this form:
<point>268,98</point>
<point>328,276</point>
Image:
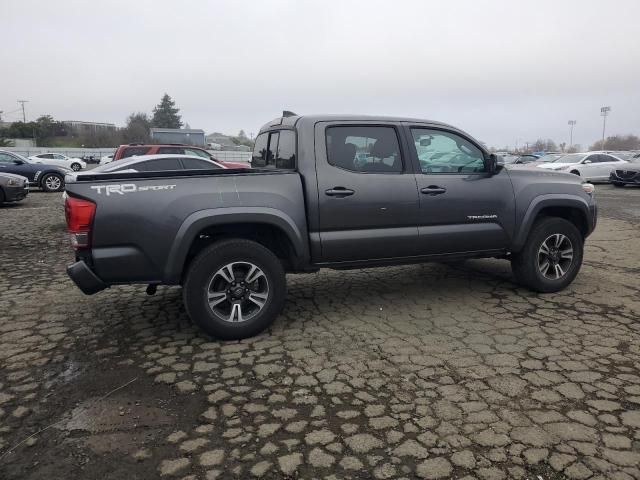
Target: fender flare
<point>544,201</point>
<point>202,219</point>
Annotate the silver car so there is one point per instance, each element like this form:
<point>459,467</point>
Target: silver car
<point>13,188</point>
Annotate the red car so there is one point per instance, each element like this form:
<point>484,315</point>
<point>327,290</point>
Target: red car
<point>132,149</point>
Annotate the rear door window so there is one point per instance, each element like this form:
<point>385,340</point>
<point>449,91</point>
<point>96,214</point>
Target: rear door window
<point>133,151</point>
<point>365,149</point>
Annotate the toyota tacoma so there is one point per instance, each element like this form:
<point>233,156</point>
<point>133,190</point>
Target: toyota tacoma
<point>324,191</point>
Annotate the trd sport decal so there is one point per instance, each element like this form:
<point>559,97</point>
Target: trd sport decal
<point>129,188</point>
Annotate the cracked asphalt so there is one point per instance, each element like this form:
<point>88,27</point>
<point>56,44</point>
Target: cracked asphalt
<point>428,371</point>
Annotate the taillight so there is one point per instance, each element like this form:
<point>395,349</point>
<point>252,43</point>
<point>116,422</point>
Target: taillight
<point>79,214</point>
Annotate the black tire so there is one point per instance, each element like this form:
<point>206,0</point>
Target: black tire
<point>52,186</point>
<point>76,167</point>
<point>2,197</point>
<point>618,184</point>
<point>525,264</point>
<point>201,274</point>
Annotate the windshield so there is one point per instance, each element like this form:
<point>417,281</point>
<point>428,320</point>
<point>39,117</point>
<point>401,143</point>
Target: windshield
<point>571,158</point>
<point>550,157</point>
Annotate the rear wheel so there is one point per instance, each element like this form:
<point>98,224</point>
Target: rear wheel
<point>76,167</point>
<point>235,289</point>
<point>52,182</point>
<point>551,256</point>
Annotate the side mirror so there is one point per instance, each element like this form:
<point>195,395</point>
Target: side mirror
<point>425,142</point>
<point>18,162</point>
<point>491,163</point>
<point>586,161</point>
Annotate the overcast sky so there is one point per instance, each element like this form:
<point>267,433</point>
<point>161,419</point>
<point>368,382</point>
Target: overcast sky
<point>502,70</point>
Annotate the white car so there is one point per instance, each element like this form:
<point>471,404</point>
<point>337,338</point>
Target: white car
<point>595,166</point>
<point>106,159</point>
<point>60,160</point>
<point>158,163</point>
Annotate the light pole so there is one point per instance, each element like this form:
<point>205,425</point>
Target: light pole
<point>24,116</point>
<point>604,111</point>
<point>571,124</point>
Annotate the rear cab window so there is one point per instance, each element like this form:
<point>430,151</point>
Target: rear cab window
<point>275,149</point>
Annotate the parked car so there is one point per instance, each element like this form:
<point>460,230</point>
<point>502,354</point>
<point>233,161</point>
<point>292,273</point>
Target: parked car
<point>75,164</point>
<point>106,159</point>
<point>628,174</point>
<point>90,159</point>
<point>137,149</point>
<point>49,178</point>
<point>158,163</point>
<point>13,188</point>
<point>511,159</point>
<point>594,166</point>
<point>229,236</point>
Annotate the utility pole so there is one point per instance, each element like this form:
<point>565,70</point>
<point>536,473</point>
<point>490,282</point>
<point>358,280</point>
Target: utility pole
<point>604,111</point>
<point>571,124</point>
<point>24,116</point>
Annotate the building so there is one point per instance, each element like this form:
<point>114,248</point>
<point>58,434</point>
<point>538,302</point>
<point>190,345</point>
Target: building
<point>187,136</point>
<point>89,127</point>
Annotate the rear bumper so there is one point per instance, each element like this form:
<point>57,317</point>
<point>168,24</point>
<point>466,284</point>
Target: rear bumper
<point>84,278</point>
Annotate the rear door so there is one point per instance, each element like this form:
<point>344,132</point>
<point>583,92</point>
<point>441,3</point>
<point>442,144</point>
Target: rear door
<point>607,163</point>
<point>462,207</point>
<point>367,196</point>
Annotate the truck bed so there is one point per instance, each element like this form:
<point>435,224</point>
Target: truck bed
<point>143,220</point>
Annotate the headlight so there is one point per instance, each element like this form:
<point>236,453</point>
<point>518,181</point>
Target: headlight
<point>12,182</point>
<point>588,188</point>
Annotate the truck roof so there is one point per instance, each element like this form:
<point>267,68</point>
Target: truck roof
<point>290,119</point>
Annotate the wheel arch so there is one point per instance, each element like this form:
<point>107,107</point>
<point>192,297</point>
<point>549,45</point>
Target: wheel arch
<point>269,227</point>
<point>572,208</point>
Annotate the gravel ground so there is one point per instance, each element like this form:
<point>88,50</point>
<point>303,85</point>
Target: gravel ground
<point>429,371</point>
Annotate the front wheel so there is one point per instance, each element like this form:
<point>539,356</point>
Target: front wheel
<point>551,256</point>
<point>234,289</point>
<point>52,182</point>
<point>76,167</point>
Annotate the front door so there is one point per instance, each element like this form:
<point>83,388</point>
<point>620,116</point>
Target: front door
<point>463,208</point>
<point>367,195</point>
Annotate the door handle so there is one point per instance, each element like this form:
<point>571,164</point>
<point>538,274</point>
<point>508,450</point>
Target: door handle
<point>433,190</point>
<point>339,192</point>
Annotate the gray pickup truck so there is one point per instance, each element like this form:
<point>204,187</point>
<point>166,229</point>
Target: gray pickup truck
<point>323,191</point>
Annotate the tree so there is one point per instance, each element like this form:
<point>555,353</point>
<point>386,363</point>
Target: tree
<point>165,114</point>
<point>137,129</point>
<point>547,145</point>
<point>242,135</point>
<point>618,142</point>
<point>5,142</point>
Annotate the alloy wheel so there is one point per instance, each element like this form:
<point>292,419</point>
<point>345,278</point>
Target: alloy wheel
<point>53,183</point>
<point>238,292</point>
<point>555,256</point>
